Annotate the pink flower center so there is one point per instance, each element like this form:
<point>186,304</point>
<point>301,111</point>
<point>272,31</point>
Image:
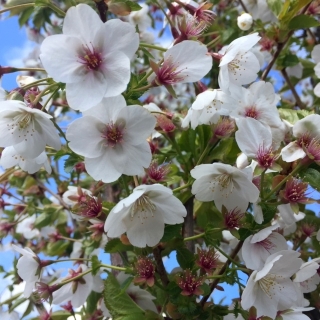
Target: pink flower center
<point>295,191</point>
<point>233,218</point>
<point>265,157</point>
<point>251,112</point>
<point>267,244</point>
<point>168,74</point>
<point>304,140</point>
<point>113,134</point>
<point>91,58</point>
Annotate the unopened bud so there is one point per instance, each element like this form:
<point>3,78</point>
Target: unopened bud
<point>245,21</point>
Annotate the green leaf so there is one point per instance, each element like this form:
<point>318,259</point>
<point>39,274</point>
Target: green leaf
<point>275,6</point>
<point>92,302</point>
<point>185,258</point>
<point>57,248</point>
<point>95,264</point>
<point>71,162</point>
<point>287,60</point>
<point>312,176</point>
<point>227,151</point>
<point>118,302</point>
<point>115,245</point>
<point>133,5</point>
<point>43,220</point>
<point>303,21</point>
<point>293,116</point>
<point>24,16</point>
<point>244,233</point>
<point>290,8</point>
<point>170,232</point>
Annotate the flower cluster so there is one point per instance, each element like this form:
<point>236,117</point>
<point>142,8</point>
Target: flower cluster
<point>164,134</point>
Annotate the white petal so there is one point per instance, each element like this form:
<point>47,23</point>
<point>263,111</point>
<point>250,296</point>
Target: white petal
<point>85,138</point>
<point>292,152</point>
<point>117,35</point>
<point>145,228</point>
<point>137,158</point>
<point>116,68</point>
<point>60,57</point>
<point>194,65</point>
<point>83,22</point>
<point>102,168</point>
<point>139,124</point>
<point>87,93</point>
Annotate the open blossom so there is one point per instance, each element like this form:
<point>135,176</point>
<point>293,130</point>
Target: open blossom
<point>77,291</point>
<point>238,65</point>
<point>257,248</point>
<point>225,185</point>
<point>25,129</point>
<point>255,141</point>
<point>258,101</point>
<point>271,289</point>
<point>179,67</point>
<point>207,108</point>
<point>112,138</point>
<point>10,158</point>
<point>143,214</point>
<point>28,267</point>
<point>91,57</point>
<point>307,131</point>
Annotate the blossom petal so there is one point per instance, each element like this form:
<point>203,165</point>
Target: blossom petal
<point>145,228</point>
<point>85,138</point>
<point>102,168</point>
<point>60,57</point>
<point>82,21</point>
<point>117,35</point>
<point>87,93</point>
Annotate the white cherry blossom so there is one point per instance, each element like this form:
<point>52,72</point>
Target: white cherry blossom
<point>271,289</point>
<point>28,267</point>
<point>238,65</point>
<point>225,185</point>
<point>112,138</point>
<point>257,248</point>
<point>179,67</point>
<point>305,130</point>
<point>77,291</point>
<point>11,158</point>
<point>91,57</point>
<point>207,108</point>
<point>255,141</point>
<point>143,215</point>
<point>258,101</point>
<point>27,130</point>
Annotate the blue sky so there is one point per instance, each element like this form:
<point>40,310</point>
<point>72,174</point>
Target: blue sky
<point>13,42</point>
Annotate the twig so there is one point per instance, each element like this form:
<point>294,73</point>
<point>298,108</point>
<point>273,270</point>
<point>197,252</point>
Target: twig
<point>188,224</point>
<point>160,267</point>
<point>300,104</point>
<point>222,271</point>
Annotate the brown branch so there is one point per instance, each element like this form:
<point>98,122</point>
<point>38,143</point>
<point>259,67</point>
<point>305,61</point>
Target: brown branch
<point>188,224</point>
<point>280,46</point>
<point>221,272</point>
<point>103,9</point>
<point>160,266</point>
<point>299,103</point>
<point>43,186</point>
<point>243,6</point>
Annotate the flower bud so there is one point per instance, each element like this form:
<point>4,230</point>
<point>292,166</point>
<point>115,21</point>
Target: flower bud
<point>245,21</point>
